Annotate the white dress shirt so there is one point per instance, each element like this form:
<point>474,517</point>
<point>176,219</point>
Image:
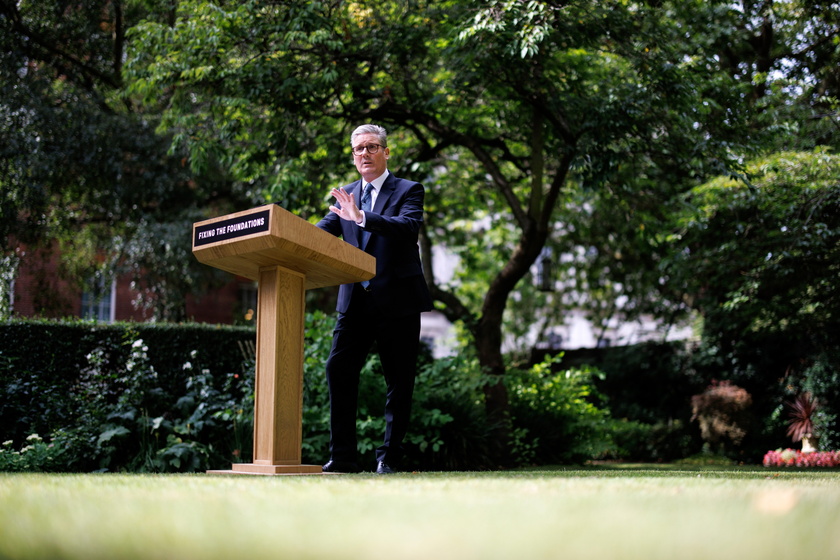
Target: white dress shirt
<point>377,184</point>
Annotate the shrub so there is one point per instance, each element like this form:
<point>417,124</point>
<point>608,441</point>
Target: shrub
<point>46,367</point>
<point>449,427</point>
<point>723,412</point>
<point>648,382</point>
<point>554,417</point>
<point>136,424</point>
<point>122,396</point>
<point>639,441</point>
<point>36,455</point>
<point>821,379</point>
<point>647,389</point>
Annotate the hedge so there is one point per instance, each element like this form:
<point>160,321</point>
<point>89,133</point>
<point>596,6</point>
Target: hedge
<point>67,380</point>
<point>42,362</point>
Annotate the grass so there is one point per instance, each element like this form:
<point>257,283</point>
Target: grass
<point>627,511</point>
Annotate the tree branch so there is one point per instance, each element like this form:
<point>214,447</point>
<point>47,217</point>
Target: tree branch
<point>52,54</point>
<point>479,148</point>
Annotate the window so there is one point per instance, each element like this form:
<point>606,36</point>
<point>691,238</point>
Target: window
<point>98,301</point>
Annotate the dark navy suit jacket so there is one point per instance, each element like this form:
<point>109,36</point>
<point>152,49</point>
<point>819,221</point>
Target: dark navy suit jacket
<point>399,287</point>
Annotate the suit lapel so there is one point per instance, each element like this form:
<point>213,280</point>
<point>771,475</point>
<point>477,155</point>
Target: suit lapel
<point>359,188</point>
<point>384,194</point>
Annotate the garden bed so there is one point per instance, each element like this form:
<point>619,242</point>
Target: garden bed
<point>796,458</point>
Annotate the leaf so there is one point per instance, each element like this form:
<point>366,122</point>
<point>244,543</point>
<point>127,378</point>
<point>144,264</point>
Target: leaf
<point>108,435</point>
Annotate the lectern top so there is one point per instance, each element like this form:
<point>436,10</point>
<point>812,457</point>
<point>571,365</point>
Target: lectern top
<point>245,242</point>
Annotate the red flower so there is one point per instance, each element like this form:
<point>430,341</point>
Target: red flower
<point>795,458</point>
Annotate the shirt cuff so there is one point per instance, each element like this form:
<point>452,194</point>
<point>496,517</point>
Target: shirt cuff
<point>363,221</point>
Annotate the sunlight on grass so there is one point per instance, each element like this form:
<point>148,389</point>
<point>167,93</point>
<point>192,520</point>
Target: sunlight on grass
<point>585,513</point>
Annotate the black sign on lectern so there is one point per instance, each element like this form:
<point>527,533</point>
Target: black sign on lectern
<point>230,229</point>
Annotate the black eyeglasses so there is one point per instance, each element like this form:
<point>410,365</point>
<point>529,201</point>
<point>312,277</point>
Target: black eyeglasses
<point>371,149</point>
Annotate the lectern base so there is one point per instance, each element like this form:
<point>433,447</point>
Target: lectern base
<point>251,468</point>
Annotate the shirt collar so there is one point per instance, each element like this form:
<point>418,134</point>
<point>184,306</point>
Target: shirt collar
<point>378,182</point>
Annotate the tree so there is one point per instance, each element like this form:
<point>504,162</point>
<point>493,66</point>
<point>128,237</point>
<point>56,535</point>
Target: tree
<point>771,86</point>
<point>82,165</point>
<point>758,258</point>
<point>507,108</point>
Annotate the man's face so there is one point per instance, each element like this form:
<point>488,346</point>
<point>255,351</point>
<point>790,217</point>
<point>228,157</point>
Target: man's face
<point>370,165</point>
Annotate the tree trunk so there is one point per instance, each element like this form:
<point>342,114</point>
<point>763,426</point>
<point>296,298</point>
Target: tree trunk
<point>488,340</point>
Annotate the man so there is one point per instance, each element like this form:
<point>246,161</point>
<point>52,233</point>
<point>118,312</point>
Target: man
<point>380,214</point>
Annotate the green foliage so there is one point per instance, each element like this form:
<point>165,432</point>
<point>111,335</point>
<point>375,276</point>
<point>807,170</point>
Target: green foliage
<point>649,382</point>
<point>821,377</point>
<point>448,404</point>
<point>555,415</point>
<point>128,415</point>
<point>661,441</point>
<point>752,95</point>
<point>498,97</point>
<point>245,89</point>
<point>647,389</point>
<point>154,434</point>
<point>523,27</point>
<point>82,168</point>
<point>34,456</point>
<point>83,385</point>
<point>758,257</point>
<point>170,398</point>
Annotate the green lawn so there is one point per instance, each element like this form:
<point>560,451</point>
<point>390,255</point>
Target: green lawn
<point>600,513</point>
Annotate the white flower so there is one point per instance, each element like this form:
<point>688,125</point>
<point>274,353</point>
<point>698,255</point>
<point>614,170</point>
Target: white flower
<point>188,365</point>
<point>33,437</point>
<point>137,343</point>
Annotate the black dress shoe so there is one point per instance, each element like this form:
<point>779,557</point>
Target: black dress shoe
<point>383,468</point>
<point>340,467</point>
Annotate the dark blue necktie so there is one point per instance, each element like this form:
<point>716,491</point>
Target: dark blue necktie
<point>366,198</point>
<point>366,208</point>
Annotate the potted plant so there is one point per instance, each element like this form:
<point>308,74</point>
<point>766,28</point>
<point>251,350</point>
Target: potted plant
<point>802,421</point>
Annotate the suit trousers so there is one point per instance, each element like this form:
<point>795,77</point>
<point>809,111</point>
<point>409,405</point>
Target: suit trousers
<point>397,340</point>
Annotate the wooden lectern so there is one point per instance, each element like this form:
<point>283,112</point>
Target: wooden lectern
<point>286,255</point>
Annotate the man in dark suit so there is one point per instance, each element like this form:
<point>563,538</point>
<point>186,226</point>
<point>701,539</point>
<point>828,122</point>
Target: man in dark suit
<point>380,214</point>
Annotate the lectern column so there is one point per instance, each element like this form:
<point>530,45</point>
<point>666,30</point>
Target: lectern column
<point>278,406</point>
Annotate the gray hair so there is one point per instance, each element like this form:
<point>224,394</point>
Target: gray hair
<point>381,133</point>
